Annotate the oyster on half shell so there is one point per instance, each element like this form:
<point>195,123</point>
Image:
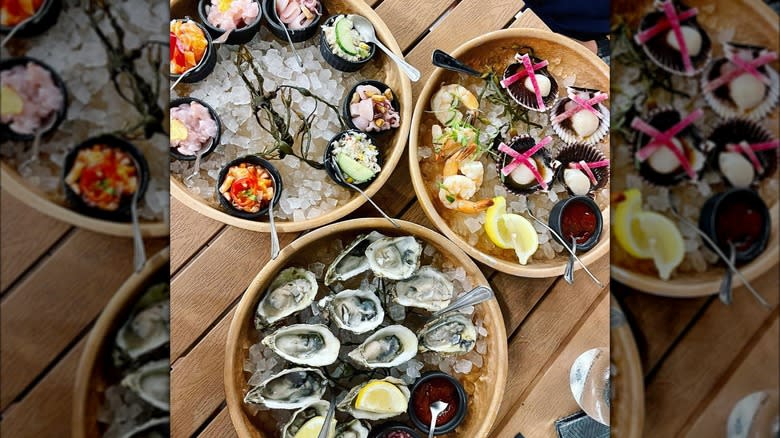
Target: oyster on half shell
<point>348,404</point>
<point>452,332</point>
<point>293,388</point>
<point>293,290</point>
<point>354,310</point>
<point>317,409</point>
<point>388,347</point>
<point>353,429</point>
<point>305,344</point>
<point>352,261</point>
<point>152,383</point>
<point>427,289</point>
<point>147,329</point>
<point>394,258</point>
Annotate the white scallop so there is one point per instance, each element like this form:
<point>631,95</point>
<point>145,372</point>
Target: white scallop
<point>663,160</point>
<point>542,81</point>
<point>736,169</point>
<point>576,181</point>
<point>522,175</point>
<point>584,123</point>
<point>692,39</point>
<point>747,91</point>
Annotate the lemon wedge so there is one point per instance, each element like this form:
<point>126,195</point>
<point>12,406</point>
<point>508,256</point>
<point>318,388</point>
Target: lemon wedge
<point>10,101</point>
<point>628,234</point>
<point>312,428</point>
<point>178,130</point>
<point>521,233</point>
<point>492,216</point>
<point>381,397</point>
<point>663,240</point>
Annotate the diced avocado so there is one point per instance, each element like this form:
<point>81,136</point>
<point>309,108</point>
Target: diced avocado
<point>343,31</point>
<point>353,169</point>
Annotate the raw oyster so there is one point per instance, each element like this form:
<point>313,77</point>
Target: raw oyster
<point>147,329</point>
<point>352,261</point>
<point>427,289</point>
<point>154,428</point>
<point>152,383</point>
<point>355,310</point>
<point>293,290</point>
<point>388,347</point>
<point>290,389</point>
<point>452,332</point>
<point>395,258</point>
<point>353,429</point>
<point>306,414</point>
<point>348,404</point>
<point>305,344</point>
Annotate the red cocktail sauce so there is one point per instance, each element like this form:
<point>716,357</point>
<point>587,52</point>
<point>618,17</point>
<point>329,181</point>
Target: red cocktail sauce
<point>739,223</point>
<point>431,391</point>
<point>397,434</point>
<point>578,220</point>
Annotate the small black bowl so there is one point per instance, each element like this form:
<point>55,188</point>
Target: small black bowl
<point>337,61</point>
<point>462,404</point>
<point>238,36</point>
<point>330,163</point>
<point>251,159</point>
<point>296,35</point>
<point>214,141</point>
<point>45,18</point>
<point>383,429</point>
<point>557,213</point>
<point>346,103</point>
<point>122,214</point>
<point>6,133</point>
<point>724,202</point>
<point>206,64</point>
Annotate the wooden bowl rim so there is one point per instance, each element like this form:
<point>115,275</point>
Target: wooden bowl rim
<point>181,193</point>
<point>125,296</point>
<point>530,270</point>
<point>630,367</point>
<point>245,308</point>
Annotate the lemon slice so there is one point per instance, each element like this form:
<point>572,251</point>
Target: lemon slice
<point>629,236</point>
<point>312,428</point>
<point>492,216</point>
<point>663,240</point>
<point>381,397</point>
<point>10,101</point>
<point>178,130</point>
<point>521,233</point>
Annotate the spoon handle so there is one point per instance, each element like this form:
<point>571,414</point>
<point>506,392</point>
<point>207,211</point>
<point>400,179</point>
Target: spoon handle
<point>328,418</point>
<point>274,235</point>
<point>432,427</point>
<point>181,76</point>
<point>287,34</point>
<point>410,71</point>
<point>139,252</point>
<point>725,294</point>
<point>379,209</point>
<point>446,61</point>
<point>473,297</point>
<point>568,273</point>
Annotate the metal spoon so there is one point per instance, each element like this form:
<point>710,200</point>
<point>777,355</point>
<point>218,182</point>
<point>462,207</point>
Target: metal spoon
<point>447,62</point>
<point>568,273</point>
<point>436,409</point>
<point>181,76</point>
<point>222,38</point>
<point>17,28</point>
<point>139,252</point>
<point>479,294</point>
<point>287,34</point>
<point>328,417</point>
<point>196,169</point>
<point>366,31</point>
<point>274,235</point>
<point>725,294</point>
<point>35,149</point>
<point>368,198</point>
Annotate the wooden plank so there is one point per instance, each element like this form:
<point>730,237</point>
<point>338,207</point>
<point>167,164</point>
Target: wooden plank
<point>189,233</point>
<point>52,305</point>
<point>549,397</point>
<point>518,296</point>
<point>220,426</point>
<point>27,235</point>
<point>528,18</point>
<point>409,23</point>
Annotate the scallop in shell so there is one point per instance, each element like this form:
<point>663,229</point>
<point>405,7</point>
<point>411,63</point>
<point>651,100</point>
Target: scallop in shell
<point>737,167</point>
<point>388,347</point>
<point>427,289</point>
<point>305,414</point>
<point>521,181</point>
<point>523,90</point>
<point>353,429</point>
<point>394,258</point>
<point>352,261</point>
<point>568,169</point>
<point>293,290</point>
<point>305,344</point>
<point>348,404</point>
<point>354,310</point>
<point>290,389</point>
<point>452,332</point>
<point>152,383</point>
<point>583,126</point>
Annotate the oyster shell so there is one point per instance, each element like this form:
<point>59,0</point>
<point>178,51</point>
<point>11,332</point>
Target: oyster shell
<point>355,310</point>
<point>388,347</point>
<point>148,327</point>
<point>394,258</point>
<point>452,332</point>
<point>427,289</point>
<point>293,290</point>
<point>305,344</point>
<point>290,389</point>
<point>353,429</point>
<point>317,409</point>
<point>348,404</point>
<point>156,427</point>
<point>152,383</point>
<point>352,261</point>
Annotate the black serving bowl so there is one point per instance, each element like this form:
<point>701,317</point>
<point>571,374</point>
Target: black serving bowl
<point>43,19</point>
<point>460,414</point>
<point>275,177</point>
<point>237,36</point>
<point>330,164</point>
<point>345,104</point>
<point>383,429</point>
<point>557,213</point>
<point>214,141</point>
<point>206,64</point>
<point>337,61</point>
<point>6,133</point>
<point>122,214</point>
<point>721,203</point>
<point>296,35</point>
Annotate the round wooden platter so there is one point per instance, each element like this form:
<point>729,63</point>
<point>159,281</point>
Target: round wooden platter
<point>15,185</point>
<point>497,47</point>
<point>487,384</point>
<point>395,142</point>
<point>628,387</point>
<point>90,376</point>
<point>755,23</point>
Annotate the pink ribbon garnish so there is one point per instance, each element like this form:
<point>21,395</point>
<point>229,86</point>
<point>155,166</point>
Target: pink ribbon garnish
<point>663,25</point>
<point>672,21</point>
<point>743,66</point>
<point>521,74</point>
<point>582,104</point>
<point>529,68</point>
<point>519,159</point>
<point>750,150</point>
<point>586,167</point>
<point>660,139</point>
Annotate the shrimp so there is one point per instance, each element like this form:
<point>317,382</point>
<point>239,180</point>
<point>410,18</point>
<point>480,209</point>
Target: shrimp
<point>446,103</point>
<point>462,178</point>
<point>449,139</point>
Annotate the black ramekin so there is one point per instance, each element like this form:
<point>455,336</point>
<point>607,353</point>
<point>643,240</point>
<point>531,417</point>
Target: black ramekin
<point>330,164</point>
<point>383,429</point>
<point>6,133</point>
<point>237,36</point>
<point>336,61</point>
<point>296,35</point>
<point>557,212</point>
<point>346,103</point>
<point>44,18</point>
<point>123,213</point>
<point>206,64</point>
<point>275,177</point>
<point>462,404</point>
<point>214,141</point>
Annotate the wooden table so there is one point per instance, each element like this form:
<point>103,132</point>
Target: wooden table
<point>548,322</point>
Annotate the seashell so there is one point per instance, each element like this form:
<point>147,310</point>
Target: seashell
<point>151,428</point>
<point>452,332</point>
<point>305,344</point>
<point>394,258</point>
<point>147,329</point>
<point>523,93</point>
<point>357,311</point>
<point>293,388</point>
<point>388,347</point>
<point>353,429</point>
<point>427,289</point>
<point>300,417</point>
<point>735,167</point>
<point>152,383</point>
<point>293,290</point>
<point>348,404</point>
<point>584,126</point>
<point>519,182</point>
<point>352,261</point>
<point>576,181</point>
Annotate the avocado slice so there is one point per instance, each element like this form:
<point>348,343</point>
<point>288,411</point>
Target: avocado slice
<point>353,170</point>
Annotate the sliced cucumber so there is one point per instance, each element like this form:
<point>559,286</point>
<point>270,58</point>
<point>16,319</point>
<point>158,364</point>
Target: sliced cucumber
<point>343,30</point>
<point>353,169</point>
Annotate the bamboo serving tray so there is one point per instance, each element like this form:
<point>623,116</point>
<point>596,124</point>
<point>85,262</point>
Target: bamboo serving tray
<point>628,400</point>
